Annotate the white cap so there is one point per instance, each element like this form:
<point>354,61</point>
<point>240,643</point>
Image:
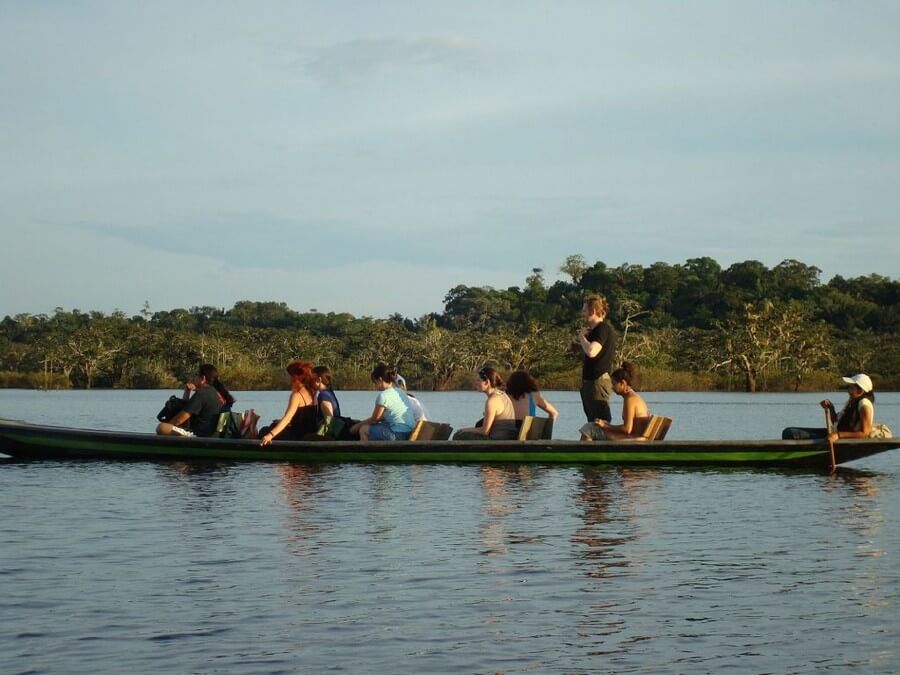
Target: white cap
<point>864,382</point>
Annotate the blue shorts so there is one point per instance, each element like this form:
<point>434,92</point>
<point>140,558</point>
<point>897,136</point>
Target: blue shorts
<point>382,432</point>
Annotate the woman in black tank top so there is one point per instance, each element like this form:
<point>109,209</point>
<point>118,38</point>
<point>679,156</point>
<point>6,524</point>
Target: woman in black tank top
<point>299,417</point>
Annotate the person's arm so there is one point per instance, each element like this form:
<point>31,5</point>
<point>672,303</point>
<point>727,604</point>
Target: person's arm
<point>829,406</point>
<point>490,413</point>
<point>628,415</point>
<point>627,425</point>
<point>491,408</point>
<point>326,408</point>
<point>189,388</point>
<point>417,408</point>
<point>590,349</point>
<point>293,404</point>
<point>622,432</point>
<point>192,406</point>
<point>865,419</point>
<point>546,406</point>
<point>374,418</point>
<point>181,418</point>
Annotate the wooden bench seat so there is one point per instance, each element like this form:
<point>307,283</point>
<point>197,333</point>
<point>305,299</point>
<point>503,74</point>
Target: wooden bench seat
<point>657,428</point>
<point>430,431</point>
<point>536,428</point>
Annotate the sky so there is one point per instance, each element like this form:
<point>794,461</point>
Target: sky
<point>367,157</point>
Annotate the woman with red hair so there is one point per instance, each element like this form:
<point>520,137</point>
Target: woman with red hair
<point>299,418</point>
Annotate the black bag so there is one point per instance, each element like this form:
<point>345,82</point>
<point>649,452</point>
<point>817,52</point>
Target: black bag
<point>172,407</point>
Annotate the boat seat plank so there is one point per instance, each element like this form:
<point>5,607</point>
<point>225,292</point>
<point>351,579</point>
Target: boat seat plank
<point>536,428</point>
<point>657,428</point>
<point>430,431</point>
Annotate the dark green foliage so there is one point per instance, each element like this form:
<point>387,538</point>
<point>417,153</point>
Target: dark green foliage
<point>746,326</point>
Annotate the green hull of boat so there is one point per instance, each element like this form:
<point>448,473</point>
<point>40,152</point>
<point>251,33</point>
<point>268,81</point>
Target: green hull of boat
<point>26,441</point>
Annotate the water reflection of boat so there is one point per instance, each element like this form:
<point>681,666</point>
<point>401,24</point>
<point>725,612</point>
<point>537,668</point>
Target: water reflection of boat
<point>32,441</point>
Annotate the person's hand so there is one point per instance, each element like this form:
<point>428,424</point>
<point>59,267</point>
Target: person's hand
<point>266,440</point>
<point>190,386</point>
<point>833,436</point>
<point>600,423</point>
<point>826,404</point>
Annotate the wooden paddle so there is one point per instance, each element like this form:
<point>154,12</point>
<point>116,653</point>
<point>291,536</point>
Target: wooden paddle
<point>830,442</point>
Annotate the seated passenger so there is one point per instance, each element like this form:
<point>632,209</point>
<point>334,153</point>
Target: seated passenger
<point>418,409</point>
<point>206,397</point>
<point>855,420</point>
<point>523,390</point>
<point>499,422</point>
<point>326,399</point>
<point>392,419</point>
<point>635,413</point>
<point>300,416</point>
<point>328,406</point>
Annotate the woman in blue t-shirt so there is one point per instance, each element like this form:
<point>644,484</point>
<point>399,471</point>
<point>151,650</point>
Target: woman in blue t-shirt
<point>392,419</point>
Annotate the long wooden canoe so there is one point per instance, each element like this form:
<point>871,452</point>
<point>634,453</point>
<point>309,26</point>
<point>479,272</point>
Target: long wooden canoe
<point>32,441</point>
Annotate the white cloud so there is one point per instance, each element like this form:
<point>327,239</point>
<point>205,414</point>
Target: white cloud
<point>361,60</point>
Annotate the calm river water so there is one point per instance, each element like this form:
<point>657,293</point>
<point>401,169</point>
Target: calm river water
<point>267,568</point>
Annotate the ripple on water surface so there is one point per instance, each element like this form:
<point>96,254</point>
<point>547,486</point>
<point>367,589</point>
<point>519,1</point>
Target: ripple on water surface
<point>153,567</point>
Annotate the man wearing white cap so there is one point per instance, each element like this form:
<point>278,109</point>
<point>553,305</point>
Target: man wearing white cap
<point>855,419</point>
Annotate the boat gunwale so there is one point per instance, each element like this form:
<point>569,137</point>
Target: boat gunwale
<point>765,443</point>
<point>141,445</point>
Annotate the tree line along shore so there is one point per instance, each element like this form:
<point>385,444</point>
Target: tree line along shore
<point>691,326</point>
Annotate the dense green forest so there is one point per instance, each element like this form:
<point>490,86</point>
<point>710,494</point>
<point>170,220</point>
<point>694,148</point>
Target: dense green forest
<point>687,326</point>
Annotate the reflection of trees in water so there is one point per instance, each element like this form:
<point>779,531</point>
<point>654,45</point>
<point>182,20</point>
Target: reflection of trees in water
<point>863,514</point>
<point>301,484</point>
<point>864,518</point>
<point>197,468</point>
<point>496,508</point>
<point>497,482</point>
<point>387,484</point>
<point>199,486</point>
<point>609,500</point>
<point>615,514</point>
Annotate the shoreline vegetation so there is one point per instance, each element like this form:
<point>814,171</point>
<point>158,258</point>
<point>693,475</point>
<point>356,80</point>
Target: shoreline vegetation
<point>272,379</point>
<point>689,327</point>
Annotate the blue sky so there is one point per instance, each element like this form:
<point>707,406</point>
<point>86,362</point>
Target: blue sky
<point>367,157</point>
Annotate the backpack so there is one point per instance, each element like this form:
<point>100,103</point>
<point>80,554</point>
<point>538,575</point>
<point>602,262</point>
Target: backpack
<point>248,424</point>
<point>229,425</point>
<point>332,428</point>
<point>171,408</point>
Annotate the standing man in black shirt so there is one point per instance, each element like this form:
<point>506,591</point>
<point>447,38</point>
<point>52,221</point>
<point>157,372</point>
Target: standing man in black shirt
<point>597,344</point>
